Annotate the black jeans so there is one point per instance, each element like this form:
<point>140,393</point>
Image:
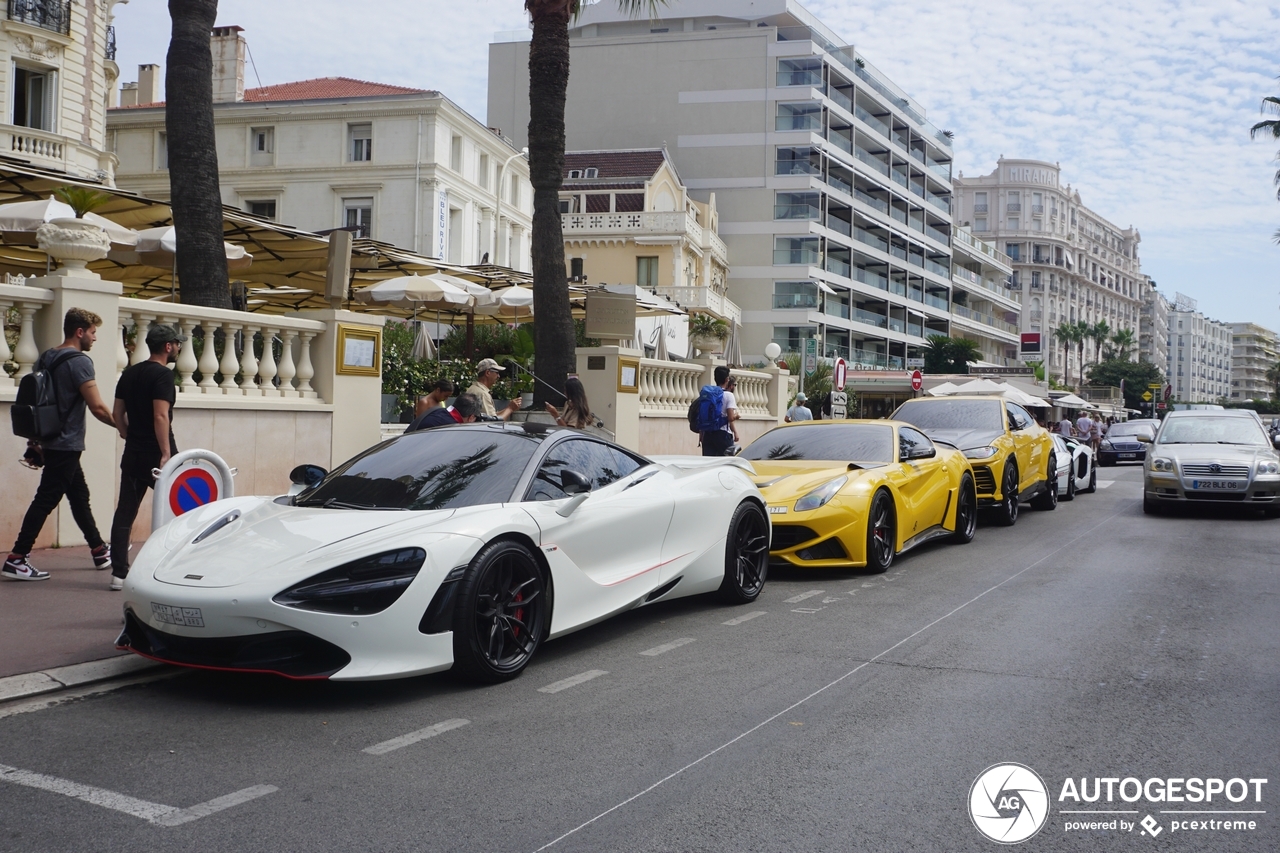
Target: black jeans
<point>61,476</point>
<point>716,443</point>
<point>133,488</point>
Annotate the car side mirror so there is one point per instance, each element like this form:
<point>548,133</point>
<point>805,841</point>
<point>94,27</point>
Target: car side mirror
<point>1144,439</point>
<point>922,453</point>
<point>1275,441</point>
<point>573,482</point>
<point>307,475</point>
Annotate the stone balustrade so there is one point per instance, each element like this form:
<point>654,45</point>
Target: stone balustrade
<point>262,356</point>
<point>668,387</point>
<point>24,302</point>
<point>753,394</point>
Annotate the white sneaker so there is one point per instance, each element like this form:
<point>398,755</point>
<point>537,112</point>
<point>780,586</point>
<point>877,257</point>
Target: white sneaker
<point>117,584</point>
<point>17,568</point>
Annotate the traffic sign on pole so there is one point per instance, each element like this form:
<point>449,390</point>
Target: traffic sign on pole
<point>841,373</point>
<point>917,380</point>
<point>1168,391</point>
<point>839,405</point>
<point>1146,395</point>
<point>810,355</point>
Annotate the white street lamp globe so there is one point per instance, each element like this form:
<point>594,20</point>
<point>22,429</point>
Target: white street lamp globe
<point>772,351</point>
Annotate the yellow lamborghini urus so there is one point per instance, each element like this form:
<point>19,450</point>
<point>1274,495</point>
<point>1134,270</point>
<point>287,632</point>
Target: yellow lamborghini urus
<point>846,494</point>
<point>1012,455</point>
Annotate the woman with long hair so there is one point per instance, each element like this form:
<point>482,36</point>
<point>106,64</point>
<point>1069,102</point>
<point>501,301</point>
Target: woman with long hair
<point>577,412</point>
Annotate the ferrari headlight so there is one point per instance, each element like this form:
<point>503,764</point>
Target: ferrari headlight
<point>819,496</point>
<point>1159,463</point>
<point>1268,468</point>
<point>364,586</point>
<point>980,452</point>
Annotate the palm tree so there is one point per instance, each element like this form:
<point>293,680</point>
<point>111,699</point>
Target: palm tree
<point>1099,332</point>
<point>1081,338</point>
<point>963,352</point>
<point>1273,376</point>
<point>194,194</point>
<point>548,82</point>
<point>1123,340</point>
<point>937,354</point>
<point>1269,128</point>
<point>1066,333</point>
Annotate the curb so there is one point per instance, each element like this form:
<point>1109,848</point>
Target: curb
<point>76,675</point>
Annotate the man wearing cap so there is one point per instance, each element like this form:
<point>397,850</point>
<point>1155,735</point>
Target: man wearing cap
<point>799,412</point>
<point>487,372</point>
<point>143,415</point>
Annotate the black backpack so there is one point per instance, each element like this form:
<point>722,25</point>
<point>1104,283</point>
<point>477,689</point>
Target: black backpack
<point>35,413</point>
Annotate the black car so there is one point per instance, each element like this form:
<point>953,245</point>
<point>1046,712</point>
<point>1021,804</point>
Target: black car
<point>1121,444</point>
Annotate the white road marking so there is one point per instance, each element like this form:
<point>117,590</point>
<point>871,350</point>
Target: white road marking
<point>39,703</point>
<point>796,599</point>
<point>665,779</point>
<point>156,813</point>
<point>413,737</point>
<point>666,647</point>
<point>829,600</point>
<point>807,609</point>
<point>1102,484</point>
<point>738,620</point>
<point>572,681</point>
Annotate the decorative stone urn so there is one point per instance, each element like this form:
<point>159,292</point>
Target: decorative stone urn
<point>73,243</point>
<point>706,344</point>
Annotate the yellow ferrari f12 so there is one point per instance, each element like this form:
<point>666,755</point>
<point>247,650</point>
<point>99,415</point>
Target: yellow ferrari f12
<point>855,493</point>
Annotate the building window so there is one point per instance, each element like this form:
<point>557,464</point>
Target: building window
<point>162,150</point>
<point>575,269</point>
<point>806,115</point>
<point>800,72</point>
<point>796,250</point>
<point>361,147</point>
<point>798,161</point>
<point>795,294</point>
<point>482,172</point>
<point>979,225</point>
<point>514,195</point>
<point>1013,250</point>
<point>455,153</point>
<point>979,202</point>
<point>358,216</point>
<point>261,145</point>
<point>266,209</point>
<point>33,92</point>
<point>1014,224</point>
<point>647,271</point>
<point>791,338</point>
<point>797,206</point>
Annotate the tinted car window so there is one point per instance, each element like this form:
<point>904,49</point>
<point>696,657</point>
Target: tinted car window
<point>436,469</point>
<point>1021,417</point>
<point>1211,430</point>
<point>835,442</point>
<point>953,414</point>
<point>910,440</point>
<point>599,463</point>
<point>1117,430</point>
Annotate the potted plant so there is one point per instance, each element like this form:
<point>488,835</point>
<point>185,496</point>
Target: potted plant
<point>707,332</point>
<point>75,242</point>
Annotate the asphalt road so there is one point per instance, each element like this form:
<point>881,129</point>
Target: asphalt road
<point>853,713</point>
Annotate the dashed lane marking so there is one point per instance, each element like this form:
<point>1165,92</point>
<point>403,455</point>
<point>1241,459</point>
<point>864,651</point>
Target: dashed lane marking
<point>738,620</point>
<point>666,647</point>
<point>807,609</point>
<point>156,813</point>
<point>413,737</point>
<point>796,599</point>
<point>572,681</point>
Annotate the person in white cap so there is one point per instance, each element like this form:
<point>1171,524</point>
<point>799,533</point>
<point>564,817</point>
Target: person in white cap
<point>487,373</point>
<point>799,412</point>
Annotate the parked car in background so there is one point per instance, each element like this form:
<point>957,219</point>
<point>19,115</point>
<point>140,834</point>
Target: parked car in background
<point>1121,443</point>
<point>1082,474</point>
<point>1222,456</point>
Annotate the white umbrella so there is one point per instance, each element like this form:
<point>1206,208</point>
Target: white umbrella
<point>943,389</point>
<point>415,291</point>
<point>19,221</point>
<point>158,247</point>
<point>423,347</point>
<point>481,294</point>
<point>733,350</point>
<point>980,386</point>
<point>660,346</point>
<point>1071,401</point>
<point>514,304</point>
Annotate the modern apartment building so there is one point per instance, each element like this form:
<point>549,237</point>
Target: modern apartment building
<point>833,189</point>
<point>983,308</point>
<point>1153,326</point>
<point>1069,263</point>
<point>60,72</point>
<point>400,165</point>
<point>1199,354</point>
<point>1254,350</point>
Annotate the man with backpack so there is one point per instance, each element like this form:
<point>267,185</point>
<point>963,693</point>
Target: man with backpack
<point>67,372</point>
<point>709,418</point>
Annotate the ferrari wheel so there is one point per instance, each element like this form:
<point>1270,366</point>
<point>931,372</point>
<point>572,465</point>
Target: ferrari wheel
<point>746,554</point>
<point>882,534</point>
<point>1093,482</point>
<point>1007,513</point>
<point>966,512</point>
<point>501,613</point>
<point>1048,497</point>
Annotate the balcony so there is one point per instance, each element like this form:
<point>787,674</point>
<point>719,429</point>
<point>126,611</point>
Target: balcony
<point>111,43</point>
<point>637,224</point>
<point>1013,207</point>
<point>704,298</point>
<point>871,318</point>
<point>985,319</point>
<point>980,208</point>
<point>51,15</point>
<point>871,120</point>
<point>1037,209</point>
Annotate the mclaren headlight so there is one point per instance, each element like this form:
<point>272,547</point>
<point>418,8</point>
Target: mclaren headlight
<point>980,452</point>
<point>819,496</point>
<point>364,586</point>
<point>1159,463</point>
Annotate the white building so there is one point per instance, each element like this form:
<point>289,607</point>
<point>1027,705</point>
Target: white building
<point>1254,349</point>
<point>1069,263</point>
<point>833,188</point>
<point>983,308</point>
<point>1153,334</point>
<point>57,73</point>
<point>404,166</point>
<point>1199,354</point>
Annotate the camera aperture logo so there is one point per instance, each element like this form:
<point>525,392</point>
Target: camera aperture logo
<point>1008,803</point>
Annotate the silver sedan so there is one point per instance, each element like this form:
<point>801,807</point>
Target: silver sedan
<point>1220,456</point>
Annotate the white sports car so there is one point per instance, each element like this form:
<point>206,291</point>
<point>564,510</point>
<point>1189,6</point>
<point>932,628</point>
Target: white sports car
<point>460,546</point>
<point>1083,475</point>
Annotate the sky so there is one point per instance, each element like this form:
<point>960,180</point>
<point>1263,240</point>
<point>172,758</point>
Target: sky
<point>1146,104</point>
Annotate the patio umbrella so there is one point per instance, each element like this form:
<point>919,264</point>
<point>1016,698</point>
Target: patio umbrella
<point>19,221</point>
<point>943,389</point>
<point>423,347</point>
<point>980,386</point>
<point>481,294</point>
<point>660,346</point>
<point>1071,401</point>
<point>158,247</point>
<point>416,291</point>
<point>511,305</point>
<point>733,349</point>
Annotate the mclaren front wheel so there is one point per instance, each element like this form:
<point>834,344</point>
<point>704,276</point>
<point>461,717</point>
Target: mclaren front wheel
<point>501,614</point>
<point>746,554</point>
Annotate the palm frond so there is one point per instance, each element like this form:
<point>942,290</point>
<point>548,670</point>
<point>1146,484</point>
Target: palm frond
<point>1269,127</point>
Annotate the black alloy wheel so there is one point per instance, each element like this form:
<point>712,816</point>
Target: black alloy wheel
<point>1071,485</point>
<point>501,614</point>
<point>746,554</point>
<point>882,535</point>
<point>1150,507</point>
<point>1093,481</point>
<point>1006,514</point>
<point>1048,498</point>
<point>966,512</point>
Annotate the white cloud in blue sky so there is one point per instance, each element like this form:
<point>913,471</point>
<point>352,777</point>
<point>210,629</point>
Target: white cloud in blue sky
<point>1145,103</point>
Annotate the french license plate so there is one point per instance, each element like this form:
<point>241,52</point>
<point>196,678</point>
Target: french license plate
<point>1216,485</point>
<point>777,510</point>
<point>1126,455</point>
<point>188,617</point>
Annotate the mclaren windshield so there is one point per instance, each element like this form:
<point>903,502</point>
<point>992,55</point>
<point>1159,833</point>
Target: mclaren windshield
<point>827,443</point>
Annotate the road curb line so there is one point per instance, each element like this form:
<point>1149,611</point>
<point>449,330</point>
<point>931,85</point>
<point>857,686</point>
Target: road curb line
<point>58,678</point>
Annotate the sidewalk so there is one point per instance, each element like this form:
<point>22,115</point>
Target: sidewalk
<point>69,619</point>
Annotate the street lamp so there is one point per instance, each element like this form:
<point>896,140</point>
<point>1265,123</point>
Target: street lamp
<point>497,201</point>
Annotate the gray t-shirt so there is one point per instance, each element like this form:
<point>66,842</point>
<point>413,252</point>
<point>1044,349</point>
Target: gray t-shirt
<point>799,413</point>
<point>67,379</point>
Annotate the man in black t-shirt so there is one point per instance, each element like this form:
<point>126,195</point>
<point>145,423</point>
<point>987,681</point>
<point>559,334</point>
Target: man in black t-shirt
<point>144,416</point>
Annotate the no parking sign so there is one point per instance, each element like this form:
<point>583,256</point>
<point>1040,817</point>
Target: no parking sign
<point>188,481</point>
